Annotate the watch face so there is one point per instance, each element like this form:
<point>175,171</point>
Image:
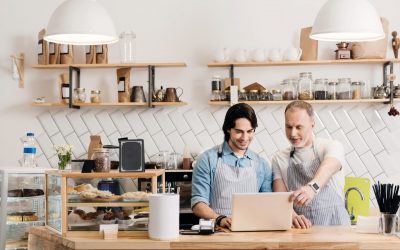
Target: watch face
<point>315,186</point>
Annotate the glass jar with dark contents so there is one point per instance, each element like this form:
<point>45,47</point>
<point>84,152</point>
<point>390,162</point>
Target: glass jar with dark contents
<point>343,91</point>
<point>289,89</point>
<point>101,159</point>
<point>321,89</point>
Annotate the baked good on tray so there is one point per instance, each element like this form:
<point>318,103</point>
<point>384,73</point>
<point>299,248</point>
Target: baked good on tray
<point>25,192</point>
<point>22,216</point>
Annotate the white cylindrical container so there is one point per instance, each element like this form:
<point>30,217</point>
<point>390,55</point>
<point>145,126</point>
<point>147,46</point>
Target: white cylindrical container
<point>164,216</point>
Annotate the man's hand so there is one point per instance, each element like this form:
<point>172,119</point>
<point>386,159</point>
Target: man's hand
<point>300,221</point>
<point>226,222</point>
<point>302,196</point>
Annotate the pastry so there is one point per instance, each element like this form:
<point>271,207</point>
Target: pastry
<point>84,187</point>
<point>109,216</point>
<point>71,190</point>
<point>88,195</point>
<point>15,193</point>
<point>136,195</point>
<point>22,216</point>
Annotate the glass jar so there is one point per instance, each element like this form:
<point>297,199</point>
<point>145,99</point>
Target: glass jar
<point>95,96</point>
<point>242,95</point>
<point>215,95</point>
<point>276,95</point>
<point>289,87</point>
<point>321,89</point>
<point>216,83</point>
<point>79,95</point>
<point>101,159</point>
<point>396,93</point>
<point>305,86</point>
<point>356,89</point>
<point>253,95</point>
<point>332,88</point>
<point>365,90</point>
<point>265,95</point>
<point>343,91</point>
<point>127,43</point>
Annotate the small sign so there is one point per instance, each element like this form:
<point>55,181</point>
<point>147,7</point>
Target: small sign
<point>110,231</point>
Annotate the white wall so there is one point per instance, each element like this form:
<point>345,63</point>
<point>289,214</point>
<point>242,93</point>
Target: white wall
<point>188,31</point>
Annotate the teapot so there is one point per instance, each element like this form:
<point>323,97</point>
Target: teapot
<point>158,95</point>
<point>293,54</point>
<point>275,55</point>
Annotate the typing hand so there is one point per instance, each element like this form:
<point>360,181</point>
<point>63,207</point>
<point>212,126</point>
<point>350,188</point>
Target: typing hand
<point>302,196</point>
<point>300,221</point>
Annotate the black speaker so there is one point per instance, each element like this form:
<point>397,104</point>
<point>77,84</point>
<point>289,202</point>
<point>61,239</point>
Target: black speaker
<point>131,155</point>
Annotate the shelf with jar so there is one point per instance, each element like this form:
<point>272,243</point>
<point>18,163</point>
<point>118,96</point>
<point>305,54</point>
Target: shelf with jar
<point>22,204</point>
<point>75,207</point>
<point>75,96</point>
<point>305,88</point>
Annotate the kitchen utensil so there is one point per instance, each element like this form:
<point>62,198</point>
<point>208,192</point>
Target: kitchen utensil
<point>171,94</point>
<point>138,94</point>
<point>158,95</point>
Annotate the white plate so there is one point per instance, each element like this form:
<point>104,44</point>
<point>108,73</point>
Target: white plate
<point>84,224</point>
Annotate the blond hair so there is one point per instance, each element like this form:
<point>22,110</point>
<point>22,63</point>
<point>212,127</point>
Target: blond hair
<point>301,105</point>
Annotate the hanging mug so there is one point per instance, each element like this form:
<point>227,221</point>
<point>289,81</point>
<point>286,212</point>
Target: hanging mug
<point>171,94</point>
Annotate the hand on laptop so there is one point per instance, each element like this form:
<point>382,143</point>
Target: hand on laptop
<point>226,222</point>
<point>300,221</point>
<point>302,196</point>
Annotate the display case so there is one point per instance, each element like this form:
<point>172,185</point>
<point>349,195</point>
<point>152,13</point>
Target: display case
<point>78,203</point>
<point>22,204</point>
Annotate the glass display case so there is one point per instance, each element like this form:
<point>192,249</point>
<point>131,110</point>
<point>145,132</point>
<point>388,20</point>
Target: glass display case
<point>78,203</point>
<point>22,204</point>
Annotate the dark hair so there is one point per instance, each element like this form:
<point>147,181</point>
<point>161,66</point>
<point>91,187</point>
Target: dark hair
<point>237,111</point>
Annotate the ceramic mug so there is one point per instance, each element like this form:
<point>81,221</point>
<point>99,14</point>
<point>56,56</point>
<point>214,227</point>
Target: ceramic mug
<point>171,94</point>
<point>222,55</point>
<point>241,55</point>
<point>293,54</point>
<point>258,55</point>
<point>275,55</point>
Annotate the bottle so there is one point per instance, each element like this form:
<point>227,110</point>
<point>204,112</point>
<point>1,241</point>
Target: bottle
<point>128,53</point>
<point>29,159</point>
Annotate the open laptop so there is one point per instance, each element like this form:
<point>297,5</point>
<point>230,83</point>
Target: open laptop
<point>261,211</point>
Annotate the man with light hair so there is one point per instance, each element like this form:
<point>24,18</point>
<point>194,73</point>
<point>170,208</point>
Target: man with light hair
<point>313,169</point>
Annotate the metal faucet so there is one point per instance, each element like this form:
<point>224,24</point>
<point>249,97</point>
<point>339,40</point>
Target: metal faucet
<point>346,200</point>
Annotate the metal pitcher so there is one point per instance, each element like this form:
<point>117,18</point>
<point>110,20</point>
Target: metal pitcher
<point>137,94</point>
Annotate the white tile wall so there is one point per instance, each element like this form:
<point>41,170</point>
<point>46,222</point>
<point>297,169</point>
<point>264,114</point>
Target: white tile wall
<point>373,141</point>
<point>62,122</point>
<point>344,120</point>
<point>357,141</point>
<point>77,123</point>
<point>194,122</point>
<point>179,122</point>
<point>120,122</point>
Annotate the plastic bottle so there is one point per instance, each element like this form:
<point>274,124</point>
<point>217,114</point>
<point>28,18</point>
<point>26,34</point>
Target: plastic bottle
<point>29,159</point>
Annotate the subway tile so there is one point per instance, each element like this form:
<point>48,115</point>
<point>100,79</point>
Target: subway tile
<point>114,138</point>
<point>106,122</point>
<point>260,125</point>
<point>77,123</point>
<point>218,137</point>
<point>179,121</point>
<point>266,142</point>
<point>324,134</point>
<point>280,140</point>
<point>319,126</point>
<point>269,121</point>
<point>382,178</point>
<point>356,165</point>
<point>176,142</point>
<point>149,121</point>
<point>46,145</point>
<point>357,141</point>
<point>85,140</point>
<point>161,141</point>
<point>53,161</point>
<point>91,122</point>
<point>255,146</point>
<point>62,122</point>
<point>190,139</point>
<point>129,135</point>
<point>340,136</point>
<point>48,124</point>
<point>359,119</point>
<point>104,139</point>
<point>149,146</point>
<point>57,139</point>
<point>371,182</point>
<point>205,140</point>
<point>42,162</point>
<point>374,119</point>
<point>120,122</point>
<point>78,149</point>
<point>371,163</point>
<point>392,122</point>
<point>372,141</point>
<point>328,119</point>
<point>194,122</point>
<point>388,141</point>
<point>279,116</point>
<point>347,171</point>
<point>165,123</point>
<point>209,121</point>
<point>388,163</point>
<point>135,122</point>
<point>344,120</point>
<point>220,116</point>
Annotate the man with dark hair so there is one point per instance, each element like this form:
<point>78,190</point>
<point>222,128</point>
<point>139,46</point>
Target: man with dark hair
<point>312,169</point>
<point>229,168</point>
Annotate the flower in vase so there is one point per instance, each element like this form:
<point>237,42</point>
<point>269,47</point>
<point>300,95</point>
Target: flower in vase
<point>64,153</point>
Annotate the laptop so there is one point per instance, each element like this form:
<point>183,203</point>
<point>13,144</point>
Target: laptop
<point>261,211</point>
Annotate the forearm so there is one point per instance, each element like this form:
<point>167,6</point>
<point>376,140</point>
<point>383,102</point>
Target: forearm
<point>202,210</point>
<point>327,169</point>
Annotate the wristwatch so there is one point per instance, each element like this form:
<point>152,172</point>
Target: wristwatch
<point>314,186</point>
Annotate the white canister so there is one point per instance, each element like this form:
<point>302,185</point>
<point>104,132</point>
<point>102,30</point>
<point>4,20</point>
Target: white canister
<point>164,216</point>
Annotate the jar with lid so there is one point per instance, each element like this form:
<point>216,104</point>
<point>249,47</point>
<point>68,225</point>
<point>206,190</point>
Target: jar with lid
<point>356,89</point>
<point>216,83</point>
<point>321,89</point>
<point>343,91</point>
<point>253,95</point>
<point>365,90</point>
<point>242,95</point>
<point>332,88</point>
<point>265,95</point>
<point>276,95</point>
<point>396,93</point>
<point>289,87</point>
<point>101,159</point>
<point>95,96</point>
<point>305,86</point>
<point>79,95</point>
<point>215,95</point>
<point>127,46</point>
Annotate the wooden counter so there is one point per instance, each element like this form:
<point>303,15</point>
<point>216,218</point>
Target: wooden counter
<point>334,237</point>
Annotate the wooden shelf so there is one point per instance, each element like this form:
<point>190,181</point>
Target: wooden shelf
<point>112,174</point>
<point>168,103</point>
<point>49,104</point>
<point>110,104</point>
<point>288,63</point>
<point>227,103</point>
<point>112,65</point>
<point>107,204</point>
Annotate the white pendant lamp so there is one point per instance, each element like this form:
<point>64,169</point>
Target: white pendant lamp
<point>81,22</point>
<point>347,20</point>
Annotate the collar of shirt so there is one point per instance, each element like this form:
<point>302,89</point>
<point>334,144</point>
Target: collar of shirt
<point>226,150</point>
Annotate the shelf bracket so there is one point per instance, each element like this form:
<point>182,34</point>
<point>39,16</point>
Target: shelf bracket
<point>385,80</point>
<point>232,74</point>
<point>74,77</point>
<point>151,70</point>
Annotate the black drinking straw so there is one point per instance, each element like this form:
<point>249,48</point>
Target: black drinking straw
<point>387,196</point>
